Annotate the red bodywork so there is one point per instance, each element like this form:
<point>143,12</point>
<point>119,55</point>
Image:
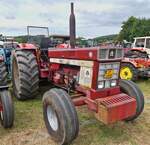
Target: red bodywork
<point>138,62</point>
<point>116,107</point>
<point>26,46</point>
<point>119,107</point>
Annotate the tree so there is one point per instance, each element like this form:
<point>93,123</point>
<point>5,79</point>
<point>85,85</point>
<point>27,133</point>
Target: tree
<point>134,27</point>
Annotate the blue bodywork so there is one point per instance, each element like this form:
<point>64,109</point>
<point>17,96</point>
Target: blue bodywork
<point>6,53</point>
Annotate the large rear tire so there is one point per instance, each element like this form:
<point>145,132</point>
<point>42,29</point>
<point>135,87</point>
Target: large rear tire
<point>131,89</point>
<point>7,109</point>
<point>128,72</point>
<point>60,116</point>
<point>25,75</point>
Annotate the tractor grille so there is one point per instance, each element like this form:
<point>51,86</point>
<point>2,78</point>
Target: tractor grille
<point>111,53</point>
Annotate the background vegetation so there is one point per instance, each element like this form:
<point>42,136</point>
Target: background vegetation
<point>134,27</point>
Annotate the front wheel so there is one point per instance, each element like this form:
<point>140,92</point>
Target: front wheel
<point>60,116</point>
<point>6,109</point>
<point>131,89</point>
<point>128,72</point>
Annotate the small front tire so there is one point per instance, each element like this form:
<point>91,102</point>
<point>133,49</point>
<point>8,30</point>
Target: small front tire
<point>131,89</point>
<point>60,116</point>
<point>7,109</point>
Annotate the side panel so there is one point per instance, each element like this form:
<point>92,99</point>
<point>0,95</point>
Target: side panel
<point>85,78</point>
<point>72,62</point>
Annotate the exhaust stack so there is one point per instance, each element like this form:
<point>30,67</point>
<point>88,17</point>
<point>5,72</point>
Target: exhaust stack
<point>72,27</point>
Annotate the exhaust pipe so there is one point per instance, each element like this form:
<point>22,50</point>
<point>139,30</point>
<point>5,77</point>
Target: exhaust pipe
<point>72,27</point>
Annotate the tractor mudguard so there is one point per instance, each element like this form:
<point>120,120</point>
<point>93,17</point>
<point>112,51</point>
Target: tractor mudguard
<point>27,46</point>
<point>129,60</point>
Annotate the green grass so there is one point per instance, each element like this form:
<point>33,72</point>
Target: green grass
<point>28,116</point>
<point>144,86</point>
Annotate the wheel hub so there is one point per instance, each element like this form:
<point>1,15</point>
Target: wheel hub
<point>52,118</point>
<point>126,73</point>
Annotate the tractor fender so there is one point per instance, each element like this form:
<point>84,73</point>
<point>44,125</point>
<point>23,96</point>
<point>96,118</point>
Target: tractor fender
<point>26,46</point>
<point>132,62</point>
<point>139,49</point>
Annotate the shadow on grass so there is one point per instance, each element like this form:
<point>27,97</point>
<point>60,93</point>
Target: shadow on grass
<point>93,131</point>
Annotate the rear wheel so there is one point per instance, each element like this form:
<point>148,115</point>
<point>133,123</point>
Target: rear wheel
<point>25,75</point>
<point>60,116</point>
<point>131,89</point>
<point>128,72</point>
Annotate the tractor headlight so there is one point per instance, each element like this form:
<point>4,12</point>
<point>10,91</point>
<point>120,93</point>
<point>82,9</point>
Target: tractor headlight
<point>101,84</point>
<point>113,83</point>
<point>108,74</point>
<point>107,84</point>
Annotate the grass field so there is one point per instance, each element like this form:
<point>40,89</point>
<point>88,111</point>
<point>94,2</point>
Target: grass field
<point>29,127</point>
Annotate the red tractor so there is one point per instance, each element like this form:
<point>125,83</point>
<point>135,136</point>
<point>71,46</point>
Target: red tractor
<point>136,62</point>
<point>6,104</point>
<point>81,76</point>
<point>87,76</point>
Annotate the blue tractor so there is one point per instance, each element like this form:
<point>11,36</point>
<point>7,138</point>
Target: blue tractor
<point>6,46</point>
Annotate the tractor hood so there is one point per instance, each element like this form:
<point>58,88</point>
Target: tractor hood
<point>89,53</point>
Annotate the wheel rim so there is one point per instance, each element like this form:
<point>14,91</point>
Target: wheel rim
<point>16,74</point>
<point>126,73</point>
<point>52,118</point>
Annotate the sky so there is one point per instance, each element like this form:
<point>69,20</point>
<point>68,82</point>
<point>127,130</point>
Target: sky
<point>93,17</point>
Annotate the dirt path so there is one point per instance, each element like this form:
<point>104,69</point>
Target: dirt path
<point>29,137</point>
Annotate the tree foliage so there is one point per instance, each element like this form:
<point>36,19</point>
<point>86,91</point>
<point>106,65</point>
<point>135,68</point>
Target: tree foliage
<point>21,39</point>
<point>134,27</point>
